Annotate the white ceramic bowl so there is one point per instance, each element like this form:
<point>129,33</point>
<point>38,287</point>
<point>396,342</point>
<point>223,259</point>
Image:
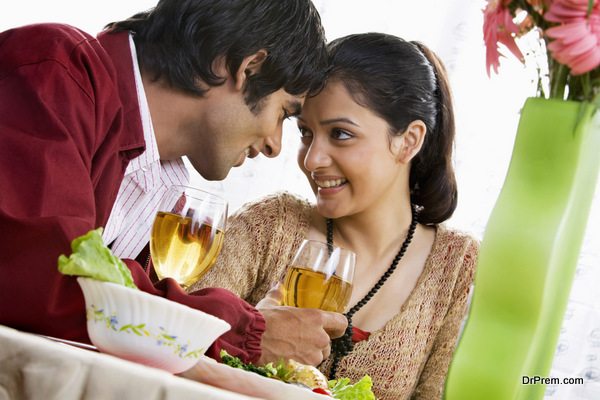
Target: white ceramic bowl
<point>147,329</point>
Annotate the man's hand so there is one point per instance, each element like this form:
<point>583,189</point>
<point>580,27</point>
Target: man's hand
<point>302,334</point>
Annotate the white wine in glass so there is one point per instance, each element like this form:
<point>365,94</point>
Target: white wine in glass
<point>319,279</point>
<point>187,234</point>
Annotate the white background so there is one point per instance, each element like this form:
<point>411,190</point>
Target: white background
<point>486,113</point>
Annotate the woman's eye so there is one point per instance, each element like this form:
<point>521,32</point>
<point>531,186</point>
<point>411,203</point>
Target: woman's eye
<point>305,134</point>
<point>340,134</point>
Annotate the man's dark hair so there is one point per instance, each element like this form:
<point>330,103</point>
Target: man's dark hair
<point>179,40</point>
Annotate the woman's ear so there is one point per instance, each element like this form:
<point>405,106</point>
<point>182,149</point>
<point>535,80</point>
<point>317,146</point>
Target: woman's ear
<point>250,65</point>
<point>408,144</point>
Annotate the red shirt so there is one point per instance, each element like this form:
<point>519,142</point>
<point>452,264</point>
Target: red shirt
<point>69,125</point>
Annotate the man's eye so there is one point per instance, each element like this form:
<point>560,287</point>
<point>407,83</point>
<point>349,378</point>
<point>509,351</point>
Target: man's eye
<point>340,134</point>
<point>286,114</point>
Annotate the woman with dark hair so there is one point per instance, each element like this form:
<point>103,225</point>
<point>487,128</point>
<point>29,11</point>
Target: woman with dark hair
<point>376,148</point>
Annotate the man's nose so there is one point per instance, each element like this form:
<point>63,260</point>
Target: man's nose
<point>272,145</point>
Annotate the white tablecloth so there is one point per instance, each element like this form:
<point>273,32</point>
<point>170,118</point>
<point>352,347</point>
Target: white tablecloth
<point>35,368</point>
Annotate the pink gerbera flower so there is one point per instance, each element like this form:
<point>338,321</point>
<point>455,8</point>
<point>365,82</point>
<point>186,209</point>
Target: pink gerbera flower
<point>577,40</point>
<point>498,27</point>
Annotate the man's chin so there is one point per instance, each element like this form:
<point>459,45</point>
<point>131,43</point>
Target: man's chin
<point>217,175</point>
<point>211,172</point>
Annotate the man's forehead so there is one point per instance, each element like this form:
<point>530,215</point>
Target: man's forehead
<point>294,103</point>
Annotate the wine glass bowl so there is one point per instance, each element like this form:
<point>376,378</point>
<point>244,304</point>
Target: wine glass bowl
<point>319,277</point>
<point>187,234</point>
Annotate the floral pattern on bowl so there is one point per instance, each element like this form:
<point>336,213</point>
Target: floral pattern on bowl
<point>163,338</point>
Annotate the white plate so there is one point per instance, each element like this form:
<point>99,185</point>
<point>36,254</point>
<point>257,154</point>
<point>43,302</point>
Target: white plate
<point>249,383</point>
<point>71,343</point>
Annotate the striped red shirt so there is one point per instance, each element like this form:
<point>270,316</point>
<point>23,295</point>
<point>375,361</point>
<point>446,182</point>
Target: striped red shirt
<point>146,180</point>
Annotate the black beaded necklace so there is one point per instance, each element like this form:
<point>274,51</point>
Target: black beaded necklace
<point>344,345</point>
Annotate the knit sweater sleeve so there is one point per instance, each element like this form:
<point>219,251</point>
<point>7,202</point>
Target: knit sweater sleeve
<point>433,377</point>
<point>260,240</point>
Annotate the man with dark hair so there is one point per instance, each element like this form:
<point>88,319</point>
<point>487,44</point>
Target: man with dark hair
<point>93,131</point>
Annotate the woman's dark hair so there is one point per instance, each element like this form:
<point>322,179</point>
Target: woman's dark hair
<point>180,39</point>
<point>402,82</point>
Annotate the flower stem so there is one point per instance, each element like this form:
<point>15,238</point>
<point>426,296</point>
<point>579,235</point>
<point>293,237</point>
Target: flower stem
<point>587,87</point>
<point>558,81</point>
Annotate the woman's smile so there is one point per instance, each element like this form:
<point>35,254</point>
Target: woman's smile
<point>329,185</point>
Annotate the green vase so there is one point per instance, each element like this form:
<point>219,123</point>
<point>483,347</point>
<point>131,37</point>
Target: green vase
<point>528,255</point>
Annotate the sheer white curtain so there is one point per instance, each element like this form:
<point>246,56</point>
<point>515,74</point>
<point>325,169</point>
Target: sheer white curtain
<point>487,112</point>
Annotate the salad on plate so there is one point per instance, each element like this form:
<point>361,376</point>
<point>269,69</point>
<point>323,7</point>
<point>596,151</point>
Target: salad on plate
<point>295,373</point>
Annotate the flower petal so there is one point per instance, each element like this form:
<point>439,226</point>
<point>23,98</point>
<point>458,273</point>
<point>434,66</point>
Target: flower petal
<point>568,31</point>
<point>556,46</point>
<point>585,44</point>
<point>564,10</point>
<point>559,14</point>
<point>585,62</point>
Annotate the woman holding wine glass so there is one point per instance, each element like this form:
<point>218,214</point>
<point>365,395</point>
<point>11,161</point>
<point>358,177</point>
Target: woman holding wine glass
<point>377,151</point>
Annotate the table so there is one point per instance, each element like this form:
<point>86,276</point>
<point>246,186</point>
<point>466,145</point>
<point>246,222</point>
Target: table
<point>32,367</point>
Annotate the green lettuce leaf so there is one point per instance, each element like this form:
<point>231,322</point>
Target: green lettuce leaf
<point>268,370</point>
<point>341,389</point>
<point>92,259</point>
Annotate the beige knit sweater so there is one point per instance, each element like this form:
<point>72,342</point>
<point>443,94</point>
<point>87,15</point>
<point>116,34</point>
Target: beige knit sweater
<point>409,357</point>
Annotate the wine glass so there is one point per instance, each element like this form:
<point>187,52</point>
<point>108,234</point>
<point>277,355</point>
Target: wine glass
<point>319,277</point>
<point>187,234</point>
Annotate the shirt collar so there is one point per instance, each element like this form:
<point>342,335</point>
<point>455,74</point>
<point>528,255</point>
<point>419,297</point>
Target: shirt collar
<point>117,47</point>
<point>146,167</point>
